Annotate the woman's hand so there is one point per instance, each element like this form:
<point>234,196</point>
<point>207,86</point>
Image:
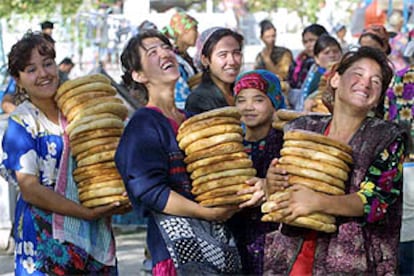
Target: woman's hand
<point>115,208</point>
<point>256,189</point>
<point>221,213</point>
<point>276,179</point>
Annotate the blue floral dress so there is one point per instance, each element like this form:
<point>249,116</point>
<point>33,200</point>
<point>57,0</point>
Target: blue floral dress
<point>33,145</point>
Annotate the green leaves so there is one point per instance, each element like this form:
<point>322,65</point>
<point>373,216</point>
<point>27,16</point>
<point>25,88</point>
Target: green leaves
<point>38,7</point>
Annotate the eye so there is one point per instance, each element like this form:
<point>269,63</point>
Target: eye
<point>49,63</point>
<point>30,69</point>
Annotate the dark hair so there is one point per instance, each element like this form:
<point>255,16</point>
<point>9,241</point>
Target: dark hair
<point>131,57</point>
<point>323,42</point>
<point>315,29</point>
<point>67,61</point>
<point>21,52</point>
<point>377,39</point>
<point>266,25</point>
<point>46,25</point>
<point>216,37</point>
<point>349,58</point>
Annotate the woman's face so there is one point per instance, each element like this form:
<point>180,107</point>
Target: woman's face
<point>189,37</point>
<point>328,56</point>
<point>225,61</point>
<point>269,37</point>
<point>309,40</point>
<point>255,107</point>
<point>368,41</point>
<point>40,77</point>
<point>159,64</point>
<point>360,86</point>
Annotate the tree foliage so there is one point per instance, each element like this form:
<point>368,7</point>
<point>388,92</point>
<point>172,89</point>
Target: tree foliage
<point>38,7</point>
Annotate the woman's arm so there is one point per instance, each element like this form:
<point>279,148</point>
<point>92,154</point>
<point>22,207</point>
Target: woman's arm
<point>40,196</point>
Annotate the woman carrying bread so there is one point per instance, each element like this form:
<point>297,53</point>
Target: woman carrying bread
<point>180,235</point>
<point>258,95</point>
<point>369,214</point>
<point>219,56</point>
<point>35,148</point>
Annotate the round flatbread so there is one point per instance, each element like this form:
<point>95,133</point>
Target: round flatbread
<point>97,124</point>
<point>313,174</point>
<point>96,167</point>
<point>316,137</point>
<point>314,165</point>
<point>99,185</point>
<point>209,142</point>
<point>93,173</point>
<point>222,166</point>
<point>219,183</point>
<point>77,149</point>
<point>97,149</point>
<point>228,111</point>
<point>288,115</point>
<point>225,200</point>
<point>316,185</point>
<point>208,132</point>
<point>89,119</point>
<point>85,88</point>
<point>279,124</point>
<point>205,124</point>
<point>116,108</point>
<point>215,159</point>
<point>95,134</point>
<point>107,177</point>
<point>234,172</point>
<point>105,201</point>
<point>91,102</point>
<point>319,147</point>
<point>220,149</point>
<point>222,191</point>
<point>315,155</point>
<point>309,223</point>
<point>80,98</point>
<point>99,157</point>
<point>102,192</point>
<point>70,84</point>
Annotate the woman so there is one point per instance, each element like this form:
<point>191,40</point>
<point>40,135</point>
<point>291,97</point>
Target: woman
<point>369,214</point>
<point>276,59</point>
<point>219,55</point>
<point>183,31</point>
<point>304,60</point>
<point>375,36</point>
<point>179,236</point>
<point>36,159</point>
<point>258,95</point>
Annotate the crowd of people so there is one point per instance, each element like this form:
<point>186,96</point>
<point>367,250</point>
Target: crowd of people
<point>368,96</point>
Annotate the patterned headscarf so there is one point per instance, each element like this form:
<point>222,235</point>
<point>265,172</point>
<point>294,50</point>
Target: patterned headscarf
<point>262,80</point>
<point>201,41</point>
<point>179,23</point>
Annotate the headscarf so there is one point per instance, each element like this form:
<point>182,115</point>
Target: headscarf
<point>264,81</point>
<point>380,32</point>
<point>179,23</point>
<point>201,41</point>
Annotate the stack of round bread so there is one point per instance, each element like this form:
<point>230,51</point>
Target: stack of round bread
<point>284,116</point>
<point>317,162</point>
<point>95,120</point>
<point>215,157</point>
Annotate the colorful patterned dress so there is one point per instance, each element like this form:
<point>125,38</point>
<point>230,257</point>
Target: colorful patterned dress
<point>33,145</point>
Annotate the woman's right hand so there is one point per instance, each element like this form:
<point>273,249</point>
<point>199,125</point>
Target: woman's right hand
<point>115,208</point>
<point>276,179</point>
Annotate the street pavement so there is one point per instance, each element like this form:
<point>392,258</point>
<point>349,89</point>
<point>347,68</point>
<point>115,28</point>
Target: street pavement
<point>130,242</point>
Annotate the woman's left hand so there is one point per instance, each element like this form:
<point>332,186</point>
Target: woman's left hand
<point>257,189</point>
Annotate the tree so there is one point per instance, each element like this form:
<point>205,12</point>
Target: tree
<point>38,7</point>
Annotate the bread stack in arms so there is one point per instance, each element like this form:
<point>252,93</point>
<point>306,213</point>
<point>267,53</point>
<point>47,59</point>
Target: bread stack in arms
<point>284,116</point>
<point>95,120</point>
<point>215,157</point>
<point>317,162</point>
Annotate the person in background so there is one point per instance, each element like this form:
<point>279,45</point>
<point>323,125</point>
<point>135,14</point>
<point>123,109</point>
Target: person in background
<point>258,95</point>
<point>398,105</point>
<point>54,234</point>
<point>340,32</point>
<point>398,40</point>
<point>47,27</point>
<point>65,67</point>
<point>304,60</point>
<point>369,214</point>
<point>276,59</point>
<point>375,36</point>
<point>183,31</point>
<point>219,56</point>
<point>181,234</point>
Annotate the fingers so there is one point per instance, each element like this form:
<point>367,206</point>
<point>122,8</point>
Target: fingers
<point>257,199</point>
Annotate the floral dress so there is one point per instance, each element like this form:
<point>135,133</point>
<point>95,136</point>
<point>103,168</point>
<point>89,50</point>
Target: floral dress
<point>33,145</point>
